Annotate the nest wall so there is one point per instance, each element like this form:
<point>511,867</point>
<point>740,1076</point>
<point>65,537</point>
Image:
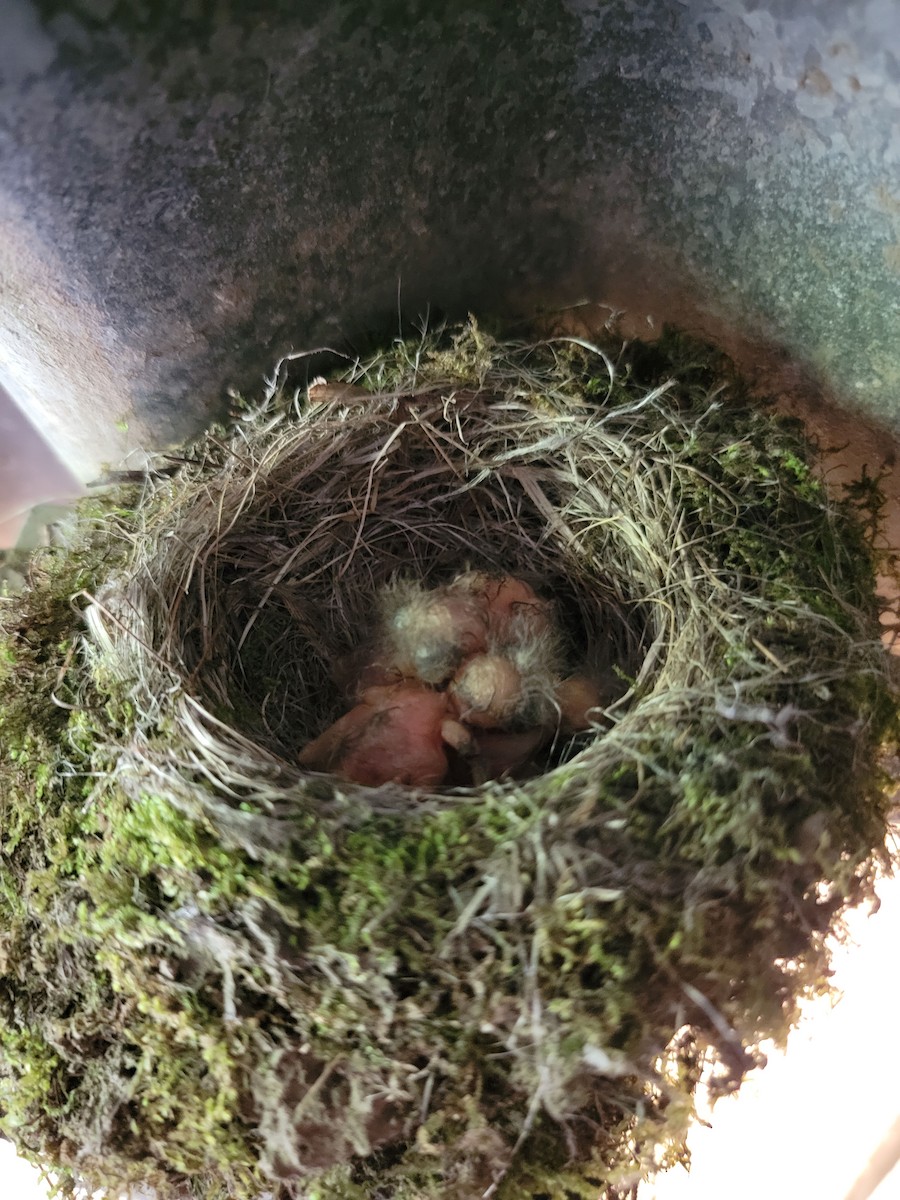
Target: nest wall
<point>224,975</point>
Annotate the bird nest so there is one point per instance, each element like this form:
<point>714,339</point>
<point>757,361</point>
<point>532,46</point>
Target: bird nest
<point>223,974</point>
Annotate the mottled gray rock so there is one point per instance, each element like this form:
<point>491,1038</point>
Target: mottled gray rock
<point>188,191</point>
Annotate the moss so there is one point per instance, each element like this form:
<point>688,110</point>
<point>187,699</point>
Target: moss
<point>216,969</point>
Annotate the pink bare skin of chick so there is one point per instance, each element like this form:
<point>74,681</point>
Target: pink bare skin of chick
<point>395,734</point>
<point>506,597</point>
<point>510,685</point>
<point>579,703</point>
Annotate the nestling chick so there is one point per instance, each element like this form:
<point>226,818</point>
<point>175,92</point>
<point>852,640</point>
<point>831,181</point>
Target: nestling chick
<point>511,685</point>
<point>506,599</point>
<point>475,666</point>
<point>577,696</point>
<point>499,753</point>
<point>534,646</point>
<point>395,734</point>
<point>487,691</point>
<point>358,670</point>
<point>427,634</point>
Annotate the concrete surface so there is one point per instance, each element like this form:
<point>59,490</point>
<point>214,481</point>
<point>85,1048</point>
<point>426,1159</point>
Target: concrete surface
<point>30,474</point>
<point>189,190</point>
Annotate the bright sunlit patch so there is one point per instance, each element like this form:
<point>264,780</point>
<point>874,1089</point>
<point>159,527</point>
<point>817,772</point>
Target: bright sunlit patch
<point>21,1181</point>
<point>807,1124</point>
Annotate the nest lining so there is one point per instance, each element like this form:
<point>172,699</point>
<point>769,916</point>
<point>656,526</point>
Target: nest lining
<point>501,990</point>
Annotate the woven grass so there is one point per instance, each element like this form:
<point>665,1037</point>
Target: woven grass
<point>223,976</point>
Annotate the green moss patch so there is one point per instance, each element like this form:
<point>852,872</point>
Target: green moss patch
<point>223,976</point>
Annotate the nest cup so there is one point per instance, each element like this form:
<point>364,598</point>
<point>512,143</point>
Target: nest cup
<point>505,990</point>
<point>287,557</point>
